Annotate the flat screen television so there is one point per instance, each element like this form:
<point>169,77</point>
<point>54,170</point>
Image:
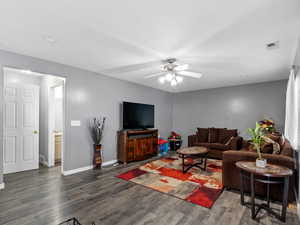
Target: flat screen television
<point>138,116</point>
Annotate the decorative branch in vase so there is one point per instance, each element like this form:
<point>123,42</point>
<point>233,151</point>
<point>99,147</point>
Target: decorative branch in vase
<point>257,134</point>
<point>96,127</point>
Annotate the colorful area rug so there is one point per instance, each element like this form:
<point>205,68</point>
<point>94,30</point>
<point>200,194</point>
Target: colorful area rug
<point>165,175</point>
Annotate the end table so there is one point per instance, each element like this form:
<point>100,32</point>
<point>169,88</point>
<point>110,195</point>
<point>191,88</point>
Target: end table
<point>271,174</point>
<point>175,144</point>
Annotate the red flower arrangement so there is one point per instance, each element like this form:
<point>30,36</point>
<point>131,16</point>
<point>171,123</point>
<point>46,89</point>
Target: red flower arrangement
<point>174,135</point>
<point>267,125</point>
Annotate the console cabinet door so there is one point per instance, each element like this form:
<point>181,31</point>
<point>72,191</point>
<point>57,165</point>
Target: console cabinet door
<point>154,145</point>
<point>146,148</point>
<point>138,149</point>
<point>130,149</point>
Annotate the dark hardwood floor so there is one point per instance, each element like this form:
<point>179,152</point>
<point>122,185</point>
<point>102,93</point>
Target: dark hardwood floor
<point>45,197</point>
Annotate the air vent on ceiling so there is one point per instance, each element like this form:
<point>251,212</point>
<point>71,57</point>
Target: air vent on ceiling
<point>272,45</point>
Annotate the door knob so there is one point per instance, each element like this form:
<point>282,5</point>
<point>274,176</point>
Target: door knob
<point>35,132</point>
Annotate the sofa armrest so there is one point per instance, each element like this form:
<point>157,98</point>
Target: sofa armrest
<point>236,143</point>
<point>192,140</point>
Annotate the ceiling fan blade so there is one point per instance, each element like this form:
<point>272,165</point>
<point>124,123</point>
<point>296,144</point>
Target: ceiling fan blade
<point>154,75</point>
<point>181,67</point>
<point>210,58</point>
<point>190,74</point>
<point>134,67</point>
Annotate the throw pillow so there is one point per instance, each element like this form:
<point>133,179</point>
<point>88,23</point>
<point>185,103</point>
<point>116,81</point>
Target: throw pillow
<point>202,134</point>
<point>275,145</point>
<point>229,141</point>
<point>213,135</point>
<point>275,138</point>
<point>225,135</point>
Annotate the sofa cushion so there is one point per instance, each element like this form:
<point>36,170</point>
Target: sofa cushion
<point>225,135</point>
<point>217,146</point>
<point>213,135</point>
<point>287,149</point>
<point>202,134</point>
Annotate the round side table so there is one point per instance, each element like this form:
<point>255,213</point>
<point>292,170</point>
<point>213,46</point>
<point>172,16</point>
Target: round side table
<point>271,174</point>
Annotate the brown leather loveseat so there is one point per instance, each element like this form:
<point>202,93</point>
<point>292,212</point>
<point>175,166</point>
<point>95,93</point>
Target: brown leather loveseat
<point>231,174</point>
<point>217,140</point>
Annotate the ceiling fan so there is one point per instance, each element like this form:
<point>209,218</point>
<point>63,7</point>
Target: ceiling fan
<point>173,72</point>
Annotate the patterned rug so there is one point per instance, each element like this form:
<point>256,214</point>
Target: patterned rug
<point>165,175</point>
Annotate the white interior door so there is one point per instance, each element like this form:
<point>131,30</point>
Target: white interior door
<point>21,127</point>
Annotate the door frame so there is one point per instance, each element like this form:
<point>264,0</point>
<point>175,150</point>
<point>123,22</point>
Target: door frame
<point>51,124</point>
<point>64,79</point>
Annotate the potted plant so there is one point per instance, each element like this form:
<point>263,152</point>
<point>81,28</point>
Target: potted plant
<point>96,128</point>
<point>257,139</point>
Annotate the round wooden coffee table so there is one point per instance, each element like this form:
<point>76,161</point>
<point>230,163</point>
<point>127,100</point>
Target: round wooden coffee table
<point>193,153</point>
<point>271,174</point>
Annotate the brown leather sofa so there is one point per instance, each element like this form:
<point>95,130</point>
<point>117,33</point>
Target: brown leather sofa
<point>217,140</point>
<point>231,174</point>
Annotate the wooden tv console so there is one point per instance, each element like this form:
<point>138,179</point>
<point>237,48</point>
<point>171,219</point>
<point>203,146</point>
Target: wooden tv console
<point>134,145</point>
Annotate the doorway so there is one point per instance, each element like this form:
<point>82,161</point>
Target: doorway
<point>33,120</point>
<point>56,93</point>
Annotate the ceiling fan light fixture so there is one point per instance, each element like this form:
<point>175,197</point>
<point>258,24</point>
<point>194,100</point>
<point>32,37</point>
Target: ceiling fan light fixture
<point>173,82</point>
<point>179,79</point>
<point>162,80</point>
<point>169,77</point>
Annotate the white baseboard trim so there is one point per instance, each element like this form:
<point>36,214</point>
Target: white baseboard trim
<point>109,163</point>
<point>82,169</point>
<point>2,186</point>
<point>78,170</point>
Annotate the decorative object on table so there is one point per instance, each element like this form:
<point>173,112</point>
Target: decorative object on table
<point>175,141</point>
<point>267,125</point>
<point>271,174</point>
<point>163,147</point>
<point>192,153</point>
<point>73,221</point>
<point>165,175</point>
<point>96,128</point>
<point>257,140</point>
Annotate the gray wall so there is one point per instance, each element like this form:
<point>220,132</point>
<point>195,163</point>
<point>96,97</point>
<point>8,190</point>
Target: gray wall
<point>89,94</point>
<point>232,107</point>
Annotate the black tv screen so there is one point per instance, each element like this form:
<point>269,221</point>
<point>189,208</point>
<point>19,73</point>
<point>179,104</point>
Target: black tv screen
<point>137,116</point>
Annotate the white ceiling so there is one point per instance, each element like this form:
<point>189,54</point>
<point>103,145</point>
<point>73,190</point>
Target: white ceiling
<point>227,38</point>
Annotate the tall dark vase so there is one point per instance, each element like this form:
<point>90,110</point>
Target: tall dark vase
<point>97,156</point>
